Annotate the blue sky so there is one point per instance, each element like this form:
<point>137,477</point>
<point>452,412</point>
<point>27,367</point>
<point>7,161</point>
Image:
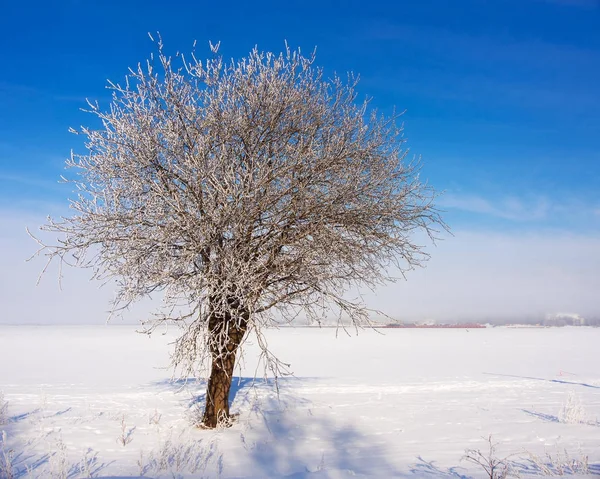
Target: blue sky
<point>502,97</point>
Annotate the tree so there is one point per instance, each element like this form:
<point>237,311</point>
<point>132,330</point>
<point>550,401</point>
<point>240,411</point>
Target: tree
<point>245,193</point>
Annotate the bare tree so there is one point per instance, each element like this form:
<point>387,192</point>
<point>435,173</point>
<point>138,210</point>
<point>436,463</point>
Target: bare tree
<point>245,192</point>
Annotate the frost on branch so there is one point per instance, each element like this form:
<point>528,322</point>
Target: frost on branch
<point>243,193</point>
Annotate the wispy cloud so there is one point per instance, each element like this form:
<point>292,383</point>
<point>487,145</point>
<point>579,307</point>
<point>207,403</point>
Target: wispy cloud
<point>510,207</point>
<point>49,184</point>
<point>566,211</point>
<point>17,88</point>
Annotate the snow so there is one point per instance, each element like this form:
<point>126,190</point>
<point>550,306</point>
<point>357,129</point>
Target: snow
<point>393,403</point>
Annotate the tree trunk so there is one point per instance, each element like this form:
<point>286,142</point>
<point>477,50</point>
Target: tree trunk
<point>226,334</point>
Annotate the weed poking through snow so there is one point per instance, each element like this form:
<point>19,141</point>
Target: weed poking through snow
<point>154,419</point>
<point>87,466</point>
<point>126,435</point>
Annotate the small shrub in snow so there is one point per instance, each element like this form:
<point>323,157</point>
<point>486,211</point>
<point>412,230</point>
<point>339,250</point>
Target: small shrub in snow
<point>3,409</point>
<point>87,465</point>
<point>7,469</point>
<point>57,462</point>
<point>192,456</point>
<point>494,467</point>
<point>572,411</point>
<point>560,463</point>
<point>195,413</point>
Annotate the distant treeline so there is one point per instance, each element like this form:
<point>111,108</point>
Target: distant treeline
<point>435,326</point>
<point>555,321</point>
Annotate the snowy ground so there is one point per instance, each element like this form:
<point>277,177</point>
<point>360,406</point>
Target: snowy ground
<point>406,403</point>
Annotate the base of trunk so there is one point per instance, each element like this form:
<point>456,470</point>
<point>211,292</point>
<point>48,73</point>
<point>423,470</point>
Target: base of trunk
<point>221,423</point>
<point>216,410</point>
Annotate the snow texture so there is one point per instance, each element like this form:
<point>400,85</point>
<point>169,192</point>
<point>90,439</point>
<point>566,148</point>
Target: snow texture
<point>97,402</point>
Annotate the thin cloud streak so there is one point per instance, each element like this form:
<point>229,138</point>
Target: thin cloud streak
<point>532,208</point>
<point>32,181</point>
<point>510,208</point>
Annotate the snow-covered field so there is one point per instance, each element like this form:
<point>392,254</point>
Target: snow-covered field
<point>96,401</point>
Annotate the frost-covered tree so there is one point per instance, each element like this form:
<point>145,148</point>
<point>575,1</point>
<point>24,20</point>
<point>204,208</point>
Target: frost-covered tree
<point>244,193</point>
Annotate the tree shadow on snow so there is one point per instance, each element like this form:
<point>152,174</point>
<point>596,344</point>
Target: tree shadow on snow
<point>542,416</point>
<point>425,468</point>
<point>293,442</point>
<point>285,435</point>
